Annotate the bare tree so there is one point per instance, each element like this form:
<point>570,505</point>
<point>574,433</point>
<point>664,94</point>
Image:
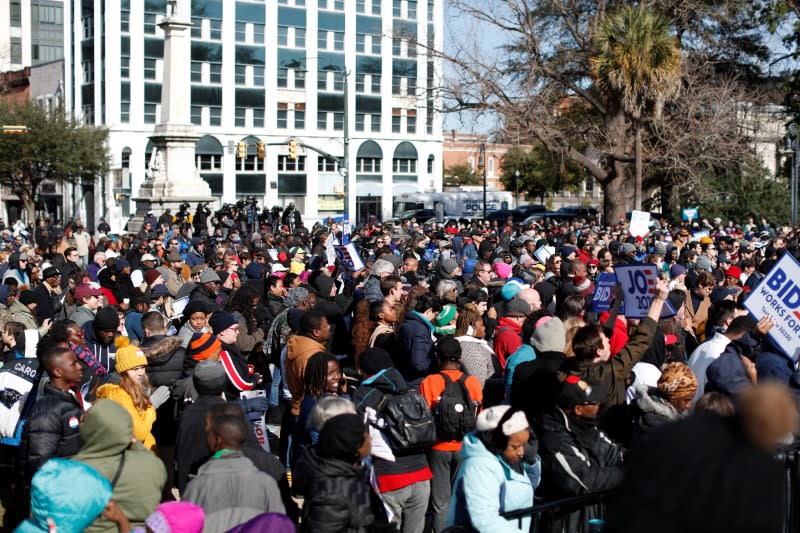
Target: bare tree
<point>541,89</point>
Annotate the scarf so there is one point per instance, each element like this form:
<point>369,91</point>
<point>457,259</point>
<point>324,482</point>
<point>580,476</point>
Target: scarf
<point>89,359</point>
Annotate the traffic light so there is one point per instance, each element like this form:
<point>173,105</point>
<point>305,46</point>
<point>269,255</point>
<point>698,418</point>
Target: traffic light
<point>261,149</point>
<point>241,150</point>
<point>292,149</point>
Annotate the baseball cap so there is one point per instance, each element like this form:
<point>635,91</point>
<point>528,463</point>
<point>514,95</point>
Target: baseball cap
<point>84,290</point>
<point>577,391</point>
<point>148,257</point>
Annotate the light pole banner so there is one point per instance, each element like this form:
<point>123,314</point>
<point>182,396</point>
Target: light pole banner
<point>639,287</point>
<point>778,297</point>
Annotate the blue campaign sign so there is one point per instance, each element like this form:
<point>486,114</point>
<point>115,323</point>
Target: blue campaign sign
<point>604,292</point>
<point>778,297</point>
<point>689,213</point>
<point>639,287</point>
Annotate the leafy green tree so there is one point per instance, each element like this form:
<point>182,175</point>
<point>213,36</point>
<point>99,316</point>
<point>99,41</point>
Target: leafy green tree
<point>461,174</point>
<point>540,171</point>
<point>745,190</point>
<point>638,60</point>
<point>57,147</point>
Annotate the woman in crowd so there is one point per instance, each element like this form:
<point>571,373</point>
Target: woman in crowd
<point>476,354</point>
<point>133,391</point>
<point>500,471</point>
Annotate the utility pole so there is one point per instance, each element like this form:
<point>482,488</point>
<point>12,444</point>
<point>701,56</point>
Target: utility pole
<point>516,189</point>
<point>346,143</point>
<point>482,168</point>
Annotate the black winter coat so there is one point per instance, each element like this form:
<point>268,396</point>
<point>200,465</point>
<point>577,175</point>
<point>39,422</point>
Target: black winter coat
<point>164,359</point>
<point>535,386</point>
<point>334,309</point>
<point>338,497</point>
<point>52,430</point>
<point>48,305</point>
<point>577,457</point>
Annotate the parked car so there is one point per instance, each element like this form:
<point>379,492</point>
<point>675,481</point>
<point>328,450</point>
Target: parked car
<point>578,211</point>
<point>547,218</point>
<point>419,214</point>
<point>505,214</point>
<point>528,210</point>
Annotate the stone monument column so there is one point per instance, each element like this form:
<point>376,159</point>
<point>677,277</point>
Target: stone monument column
<point>172,177</point>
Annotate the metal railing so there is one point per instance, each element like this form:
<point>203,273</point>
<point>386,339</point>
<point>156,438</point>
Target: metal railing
<point>577,514</point>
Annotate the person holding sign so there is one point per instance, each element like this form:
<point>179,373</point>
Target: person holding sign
<point>592,349</point>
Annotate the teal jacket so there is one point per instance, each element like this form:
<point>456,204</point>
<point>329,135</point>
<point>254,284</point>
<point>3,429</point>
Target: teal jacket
<point>67,493</point>
<point>486,486</point>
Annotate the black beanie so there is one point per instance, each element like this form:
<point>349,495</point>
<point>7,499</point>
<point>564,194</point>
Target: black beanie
<point>373,360</point>
<point>209,378</point>
<point>341,437</point>
<point>106,318</point>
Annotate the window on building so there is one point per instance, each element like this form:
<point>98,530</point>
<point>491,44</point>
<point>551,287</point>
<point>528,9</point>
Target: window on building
<point>397,118</point>
<point>589,185</point>
<point>430,164</point>
<point>125,67</point>
<point>208,162</point>
<point>124,21</point>
<point>126,158</point>
<point>125,112</point>
<point>215,115</point>
<point>411,121</point>
<point>361,6</point>
<point>15,13</point>
<point>15,50</point>
<point>88,27</point>
<point>149,69</point>
<point>368,165</point>
<point>215,72</point>
<point>197,71</point>
<point>299,116</point>
<point>150,23</point>
<point>327,165</point>
<point>411,7</point>
<point>240,117</point>
<point>404,166</point>
<point>87,67</point>
<point>430,10</point>
<point>88,113</point>
<point>376,7</point>
<point>150,113</point>
<point>397,8</point>
<point>282,116</point>
<point>291,165</point>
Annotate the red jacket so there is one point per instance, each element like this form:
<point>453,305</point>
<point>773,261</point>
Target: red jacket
<point>507,339</point>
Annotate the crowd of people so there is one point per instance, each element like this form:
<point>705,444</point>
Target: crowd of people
<point>165,381</point>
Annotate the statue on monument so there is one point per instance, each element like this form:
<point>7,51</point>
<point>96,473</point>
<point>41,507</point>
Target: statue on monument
<point>155,165</point>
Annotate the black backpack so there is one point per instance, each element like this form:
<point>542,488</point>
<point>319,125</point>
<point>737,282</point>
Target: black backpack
<point>454,412</point>
<point>408,422</point>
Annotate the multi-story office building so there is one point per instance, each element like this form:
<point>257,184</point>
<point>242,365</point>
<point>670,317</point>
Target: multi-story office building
<point>34,35</point>
<point>271,71</point>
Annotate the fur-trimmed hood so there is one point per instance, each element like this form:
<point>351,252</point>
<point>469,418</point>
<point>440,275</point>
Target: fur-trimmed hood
<point>160,347</point>
<point>650,401</point>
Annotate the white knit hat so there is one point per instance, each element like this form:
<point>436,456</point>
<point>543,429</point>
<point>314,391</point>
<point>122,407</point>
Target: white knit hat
<point>489,418</point>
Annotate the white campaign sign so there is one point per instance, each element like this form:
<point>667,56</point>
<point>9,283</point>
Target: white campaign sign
<point>349,258</point>
<point>640,223</point>
<point>543,253</point>
<point>639,286</point>
<point>778,297</point>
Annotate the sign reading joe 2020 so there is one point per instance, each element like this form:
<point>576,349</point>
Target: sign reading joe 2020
<point>778,297</point>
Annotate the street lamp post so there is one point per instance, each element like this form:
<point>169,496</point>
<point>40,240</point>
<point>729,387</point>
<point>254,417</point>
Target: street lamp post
<point>516,188</point>
<point>482,168</point>
<point>793,146</point>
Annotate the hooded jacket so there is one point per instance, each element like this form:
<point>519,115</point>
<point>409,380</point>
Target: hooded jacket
<point>416,341</point>
<point>507,339</point>
<point>578,458</point>
<point>104,354</point>
<point>299,351</point>
<point>334,308</point>
<point>487,486</point>
<point>369,394</point>
<point>69,511</point>
<point>82,315</point>
<point>142,420</point>
<point>52,429</point>
<point>651,410</point>
<point>106,433</point>
<point>324,508</point>
<point>231,491</point>
<point>165,358</point>
<point>22,314</point>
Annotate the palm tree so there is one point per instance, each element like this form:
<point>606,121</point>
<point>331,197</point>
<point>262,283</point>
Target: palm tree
<point>638,60</point>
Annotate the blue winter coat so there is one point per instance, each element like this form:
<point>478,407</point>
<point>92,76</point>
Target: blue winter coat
<point>486,486</point>
<point>523,354</point>
<point>71,511</point>
<point>416,342</point>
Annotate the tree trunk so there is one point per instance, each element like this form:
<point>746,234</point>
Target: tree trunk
<point>30,208</point>
<point>637,150</point>
<point>614,195</point>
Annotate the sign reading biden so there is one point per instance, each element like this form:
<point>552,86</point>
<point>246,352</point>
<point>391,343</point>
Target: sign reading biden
<point>778,297</point>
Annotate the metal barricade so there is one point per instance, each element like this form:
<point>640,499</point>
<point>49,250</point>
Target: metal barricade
<point>578,514</point>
